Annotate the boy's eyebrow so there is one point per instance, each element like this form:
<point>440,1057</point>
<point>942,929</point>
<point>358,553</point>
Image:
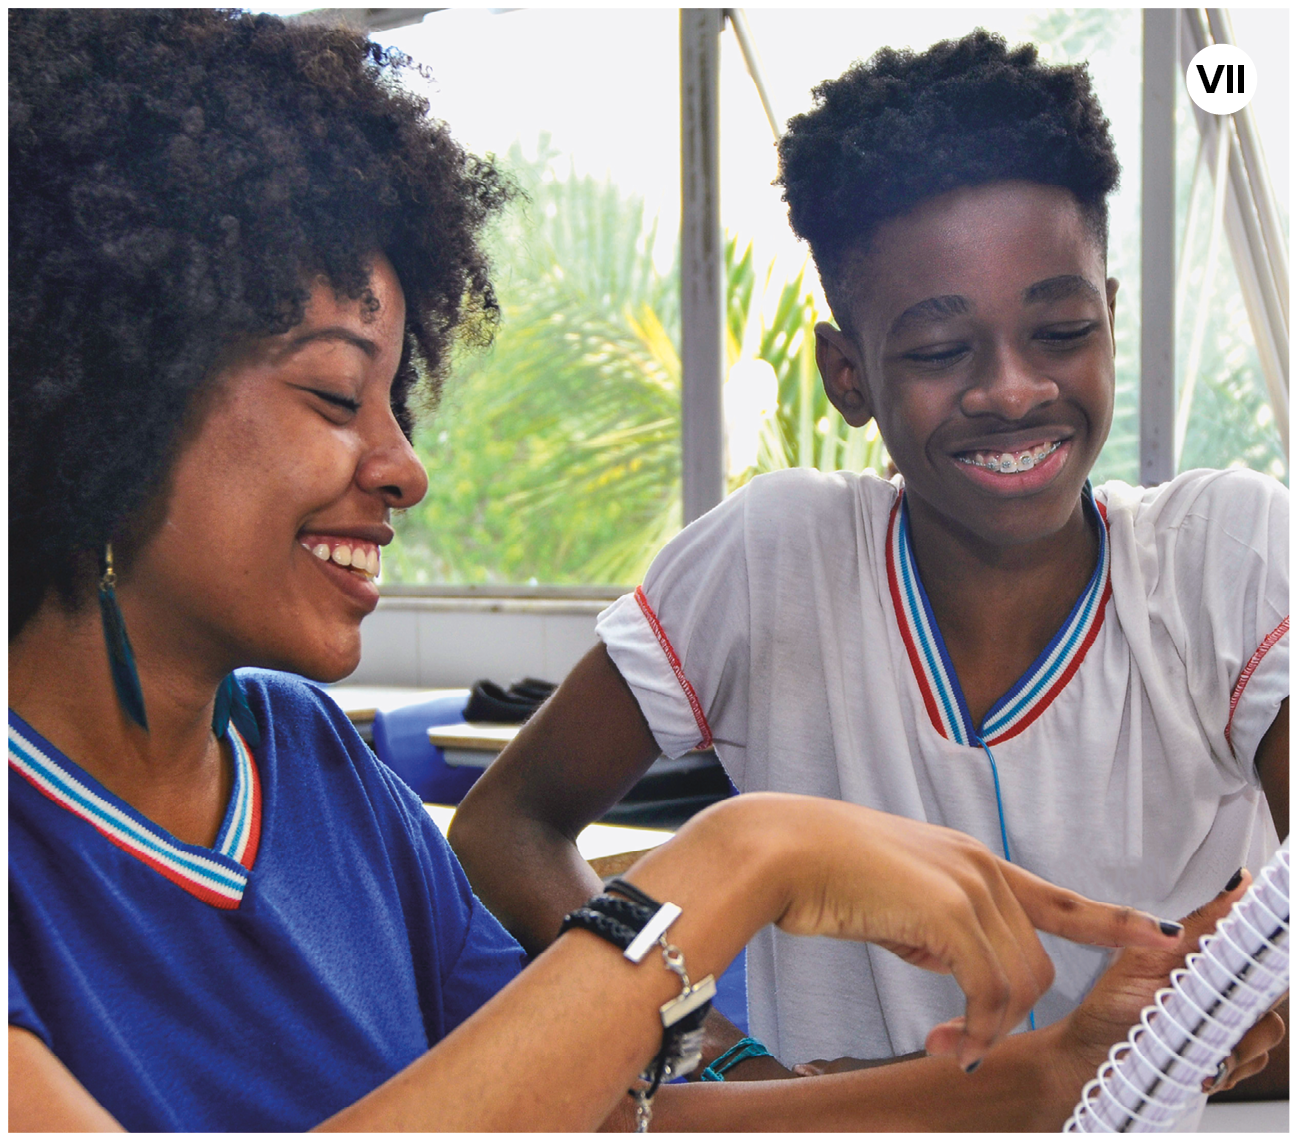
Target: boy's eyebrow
<point>1060,289</point>
<point>933,309</point>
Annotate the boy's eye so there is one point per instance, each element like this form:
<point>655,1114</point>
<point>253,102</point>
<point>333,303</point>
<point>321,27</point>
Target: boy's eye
<point>1062,335</point>
<point>937,355</point>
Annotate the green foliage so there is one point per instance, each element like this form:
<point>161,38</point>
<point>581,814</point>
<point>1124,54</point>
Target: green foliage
<point>806,430</point>
<point>1072,35</point>
<point>555,455</point>
<point>1231,423</point>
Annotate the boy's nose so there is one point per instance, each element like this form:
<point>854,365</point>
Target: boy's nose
<point>1007,387</point>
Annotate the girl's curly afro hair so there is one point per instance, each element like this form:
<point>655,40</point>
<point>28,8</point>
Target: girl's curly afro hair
<point>903,127</point>
<point>175,179</point>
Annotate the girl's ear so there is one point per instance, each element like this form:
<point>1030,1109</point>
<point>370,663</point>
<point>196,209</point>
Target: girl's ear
<point>844,380</point>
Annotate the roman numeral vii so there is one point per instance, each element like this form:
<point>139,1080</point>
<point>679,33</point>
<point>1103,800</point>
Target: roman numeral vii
<point>1210,85</point>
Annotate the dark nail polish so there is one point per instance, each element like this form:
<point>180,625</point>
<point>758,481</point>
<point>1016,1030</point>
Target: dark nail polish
<point>968,1069</point>
<point>1169,928</point>
<point>1234,880</point>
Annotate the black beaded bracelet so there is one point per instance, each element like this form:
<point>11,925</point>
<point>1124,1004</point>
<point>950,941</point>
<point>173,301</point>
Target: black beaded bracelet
<point>607,927</point>
<point>634,925</point>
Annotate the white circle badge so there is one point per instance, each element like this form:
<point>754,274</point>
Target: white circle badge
<point>1221,79</point>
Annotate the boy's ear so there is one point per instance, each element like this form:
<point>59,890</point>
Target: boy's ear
<point>844,380</point>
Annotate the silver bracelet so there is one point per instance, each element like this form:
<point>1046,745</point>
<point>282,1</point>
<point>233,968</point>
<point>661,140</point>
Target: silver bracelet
<point>682,1017</point>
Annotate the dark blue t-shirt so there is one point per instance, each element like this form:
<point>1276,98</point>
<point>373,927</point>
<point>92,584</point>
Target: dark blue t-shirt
<point>326,940</point>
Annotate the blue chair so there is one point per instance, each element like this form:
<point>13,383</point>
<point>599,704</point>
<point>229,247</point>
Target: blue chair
<point>732,992</point>
<point>401,742</point>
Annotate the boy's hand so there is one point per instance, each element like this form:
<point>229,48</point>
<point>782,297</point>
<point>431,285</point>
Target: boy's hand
<point>822,1066</point>
<point>1114,1004</point>
<point>719,1035</point>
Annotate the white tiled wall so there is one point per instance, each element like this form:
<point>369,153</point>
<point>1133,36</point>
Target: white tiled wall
<point>424,641</point>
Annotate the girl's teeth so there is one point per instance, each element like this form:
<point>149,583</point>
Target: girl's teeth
<point>358,558</point>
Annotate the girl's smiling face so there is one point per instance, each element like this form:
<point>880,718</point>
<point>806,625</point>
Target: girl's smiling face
<point>984,350</point>
<point>279,501</point>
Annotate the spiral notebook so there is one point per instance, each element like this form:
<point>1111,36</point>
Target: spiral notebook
<point>1153,1079</point>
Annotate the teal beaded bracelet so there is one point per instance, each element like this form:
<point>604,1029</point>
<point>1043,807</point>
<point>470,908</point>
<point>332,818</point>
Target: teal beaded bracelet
<point>741,1051</point>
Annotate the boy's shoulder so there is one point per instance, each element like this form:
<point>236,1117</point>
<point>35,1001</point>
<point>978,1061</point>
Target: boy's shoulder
<point>810,495</point>
<point>1222,498</point>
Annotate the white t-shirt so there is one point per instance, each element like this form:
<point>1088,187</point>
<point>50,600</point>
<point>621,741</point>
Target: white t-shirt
<point>787,627</point>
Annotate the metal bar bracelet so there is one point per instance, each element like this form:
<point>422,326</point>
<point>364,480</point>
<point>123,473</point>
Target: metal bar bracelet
<point>636,932</point>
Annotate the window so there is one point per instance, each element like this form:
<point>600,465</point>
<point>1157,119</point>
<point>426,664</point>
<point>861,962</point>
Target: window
<point>555,458</point>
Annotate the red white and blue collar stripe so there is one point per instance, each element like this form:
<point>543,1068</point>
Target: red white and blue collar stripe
<point>1032,693</point>
<point>216,875</point>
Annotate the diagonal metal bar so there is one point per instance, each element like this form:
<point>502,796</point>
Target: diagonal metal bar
<point>739,22</point>
<point>1198,332</point>
<point>1258,173</point>
<point>1248,248</point>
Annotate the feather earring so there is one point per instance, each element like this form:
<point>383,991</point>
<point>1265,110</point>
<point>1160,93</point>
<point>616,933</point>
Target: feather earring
<point>232,705</point>
<point>121,659</point>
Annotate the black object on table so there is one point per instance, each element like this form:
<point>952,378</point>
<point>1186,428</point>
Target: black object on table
<point>491,702</point>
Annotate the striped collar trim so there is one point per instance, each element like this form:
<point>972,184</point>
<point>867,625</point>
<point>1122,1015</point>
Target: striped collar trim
<point>1032,693</point>
<point>215,875</point>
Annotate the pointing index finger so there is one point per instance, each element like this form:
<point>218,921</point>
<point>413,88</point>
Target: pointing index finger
<point>1082,920</point>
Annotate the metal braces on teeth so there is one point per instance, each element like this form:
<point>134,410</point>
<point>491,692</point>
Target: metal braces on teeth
<point>1008,464</point>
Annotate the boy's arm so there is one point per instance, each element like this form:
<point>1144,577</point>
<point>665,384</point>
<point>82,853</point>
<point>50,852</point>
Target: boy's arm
<point>516,830</point>
<point>1272,768</point>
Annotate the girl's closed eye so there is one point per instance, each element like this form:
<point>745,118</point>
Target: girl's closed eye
<point>344,404</point>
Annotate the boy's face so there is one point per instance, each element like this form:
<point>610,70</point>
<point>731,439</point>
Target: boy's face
<point>984,350</point>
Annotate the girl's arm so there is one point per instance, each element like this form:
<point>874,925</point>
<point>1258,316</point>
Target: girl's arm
<point>558,1047</point>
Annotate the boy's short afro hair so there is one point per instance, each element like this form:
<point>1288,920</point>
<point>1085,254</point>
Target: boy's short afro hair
<point>176,179</point>
<point>903,127</point>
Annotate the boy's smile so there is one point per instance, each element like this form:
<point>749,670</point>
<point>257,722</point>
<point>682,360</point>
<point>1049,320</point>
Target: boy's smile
<point>983,347</point>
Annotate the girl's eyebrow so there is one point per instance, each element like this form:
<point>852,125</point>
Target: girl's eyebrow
<point>334,333</point>
<point>1060,289</point>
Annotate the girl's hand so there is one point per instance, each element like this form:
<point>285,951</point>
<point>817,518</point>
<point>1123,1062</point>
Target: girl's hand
<point>942,901</point>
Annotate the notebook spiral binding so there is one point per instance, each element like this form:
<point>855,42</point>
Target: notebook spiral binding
<point>1152,1079</point>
